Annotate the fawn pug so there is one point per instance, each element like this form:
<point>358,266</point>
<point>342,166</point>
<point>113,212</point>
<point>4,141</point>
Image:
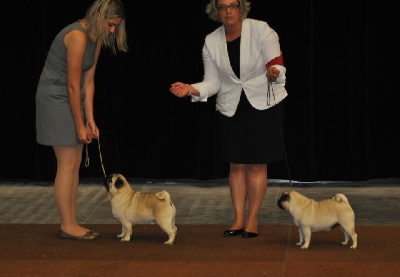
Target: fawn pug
<point>313,216</point>
<point>131,207</point>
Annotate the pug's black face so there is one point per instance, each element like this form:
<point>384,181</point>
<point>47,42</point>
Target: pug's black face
<point>282,198</point>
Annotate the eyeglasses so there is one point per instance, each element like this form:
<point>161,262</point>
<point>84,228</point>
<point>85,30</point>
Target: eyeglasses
<point>231,6</point>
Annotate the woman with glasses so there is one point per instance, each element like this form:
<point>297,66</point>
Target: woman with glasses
<point>243,66</point>
<point>64,100</point>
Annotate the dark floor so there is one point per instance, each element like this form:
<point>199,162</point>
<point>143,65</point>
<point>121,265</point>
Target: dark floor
<point>375,202</point>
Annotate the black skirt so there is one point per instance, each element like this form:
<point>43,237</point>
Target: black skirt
<point>252,136</point>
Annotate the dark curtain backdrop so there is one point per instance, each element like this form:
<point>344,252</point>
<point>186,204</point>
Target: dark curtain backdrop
<point>341,115</point>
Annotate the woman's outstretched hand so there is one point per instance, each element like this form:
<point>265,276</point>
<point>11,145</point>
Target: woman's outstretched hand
<point>180,89</point>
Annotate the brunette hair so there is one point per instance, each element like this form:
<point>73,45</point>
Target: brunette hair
<point>212,10</point>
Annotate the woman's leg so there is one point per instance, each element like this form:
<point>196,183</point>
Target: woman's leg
<point>66,187</point>
<point>75,182</point>
<point>256,183</point>
<point>237,185</point>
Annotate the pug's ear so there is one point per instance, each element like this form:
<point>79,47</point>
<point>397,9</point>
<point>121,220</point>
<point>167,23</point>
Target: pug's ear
<point>285,196</point>
<point>119,183</point>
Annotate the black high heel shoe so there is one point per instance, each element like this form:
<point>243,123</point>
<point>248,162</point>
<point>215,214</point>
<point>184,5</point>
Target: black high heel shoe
<point>233,233</point>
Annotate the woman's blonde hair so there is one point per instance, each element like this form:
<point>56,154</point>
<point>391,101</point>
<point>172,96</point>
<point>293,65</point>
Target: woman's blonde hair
<point>100,11</point>
<point>212,10</point>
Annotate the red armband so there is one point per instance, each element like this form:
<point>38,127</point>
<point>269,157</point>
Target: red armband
<point>275,61</point>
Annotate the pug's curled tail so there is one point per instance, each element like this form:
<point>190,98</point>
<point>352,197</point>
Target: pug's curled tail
<point>164,195</point>
<point>340,197</point>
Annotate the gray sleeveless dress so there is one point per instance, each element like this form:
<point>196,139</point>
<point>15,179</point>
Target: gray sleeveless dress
<point>55,124</point>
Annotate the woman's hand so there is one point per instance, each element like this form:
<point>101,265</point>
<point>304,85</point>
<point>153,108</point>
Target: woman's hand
<point>180,89</point>
<point>82,134</point>
<point>272,73</point>
<point>92,132</point>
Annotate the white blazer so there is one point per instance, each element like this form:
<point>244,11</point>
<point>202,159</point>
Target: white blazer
<point>259,44</point>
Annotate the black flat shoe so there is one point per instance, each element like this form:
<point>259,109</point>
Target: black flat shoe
<point>233,233</point>
<point>249,235</point>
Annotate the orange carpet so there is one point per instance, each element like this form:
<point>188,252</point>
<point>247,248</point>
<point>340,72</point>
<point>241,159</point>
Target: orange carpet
<point>199,250</point>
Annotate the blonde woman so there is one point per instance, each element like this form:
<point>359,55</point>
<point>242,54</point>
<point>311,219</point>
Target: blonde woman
<point>64,100</point>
